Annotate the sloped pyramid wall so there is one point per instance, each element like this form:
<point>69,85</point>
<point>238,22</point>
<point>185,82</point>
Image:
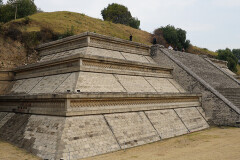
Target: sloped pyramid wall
<point>91,94</point>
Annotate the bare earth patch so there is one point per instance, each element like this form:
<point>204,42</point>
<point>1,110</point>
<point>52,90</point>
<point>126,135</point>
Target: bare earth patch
<point>211,144</point>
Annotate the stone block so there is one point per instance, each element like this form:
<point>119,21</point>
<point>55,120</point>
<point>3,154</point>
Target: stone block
<point>135,83</point>
<point>135,57</point>
<point>167,123</point>
<point>192,119</point>
<point>132,129</point>
<point>104,53</point>
<point>5,117</point>
<point>98,82</point>
<point>162,85</point>
<point>49,84</point>
<point>68,84</point>
<point>87,136</point>
<point>27,85</point>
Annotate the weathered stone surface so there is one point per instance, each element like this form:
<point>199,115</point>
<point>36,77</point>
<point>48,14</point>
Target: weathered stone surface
<point>135,83</point>
<point>98,82</point>
<point>205,70</point>
<point>13,128</point>
<point>135,57</point>
<point>2,115</point>
<point>49,84</point>
<point>150,59</point>
<point>5,117</point>
<point>68,86</point>
<point>44,132</point>
<point>87,136</point>
<point>167,123</point>
<point>132,129</point>
<point>162,85</point>
<point>16,85</point>
<point>218,110</point>
<point>104,53</point>
<point>192,119</point>
<point>175,84</point>
<point>27,85</point>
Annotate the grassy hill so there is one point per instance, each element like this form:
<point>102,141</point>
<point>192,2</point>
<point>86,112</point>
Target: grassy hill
<point>28,32</point>
<point>60,22</point>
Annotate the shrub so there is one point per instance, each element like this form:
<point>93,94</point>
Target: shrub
<point>117,13</point>
<point>227,55</point>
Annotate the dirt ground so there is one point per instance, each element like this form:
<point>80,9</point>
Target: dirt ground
<point>211,144</point>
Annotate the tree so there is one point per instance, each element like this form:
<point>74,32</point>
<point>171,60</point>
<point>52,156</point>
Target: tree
<point>174,36</point>
<point>236,52</point>
<point>1,2</point>
<point>227,55</point>
<point>117,13</point>
<point>134,23</point>
<point>24,8</point>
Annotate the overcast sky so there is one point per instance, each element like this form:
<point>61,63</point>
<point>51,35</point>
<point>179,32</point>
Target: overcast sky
<point>211,24</point>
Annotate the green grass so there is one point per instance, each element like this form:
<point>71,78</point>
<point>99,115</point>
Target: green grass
<point>238,68</point>
<point>59,22</point>
<point>198,50</point>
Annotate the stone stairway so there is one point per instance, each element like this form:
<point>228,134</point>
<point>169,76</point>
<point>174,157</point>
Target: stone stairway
<point>196,73</point>
<point>232,94</point>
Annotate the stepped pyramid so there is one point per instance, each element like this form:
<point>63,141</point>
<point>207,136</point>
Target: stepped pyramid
<point>91,94</point>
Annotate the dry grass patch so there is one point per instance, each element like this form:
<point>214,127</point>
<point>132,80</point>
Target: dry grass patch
<point>211,144</point>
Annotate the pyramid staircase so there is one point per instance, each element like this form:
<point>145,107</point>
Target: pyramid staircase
<point>91,94</point>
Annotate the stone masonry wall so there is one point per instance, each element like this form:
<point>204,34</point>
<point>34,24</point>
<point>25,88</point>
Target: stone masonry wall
<point>53,137</point>
<point>218,109</point>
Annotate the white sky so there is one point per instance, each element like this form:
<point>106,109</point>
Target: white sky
<point>212,24</point>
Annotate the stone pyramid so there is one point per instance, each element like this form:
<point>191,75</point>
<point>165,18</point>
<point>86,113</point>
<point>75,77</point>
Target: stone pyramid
<point>91,94</point>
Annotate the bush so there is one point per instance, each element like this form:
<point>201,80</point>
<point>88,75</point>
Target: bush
<point>176,37</point>
<point>117,13</point>
<point>228,56</point>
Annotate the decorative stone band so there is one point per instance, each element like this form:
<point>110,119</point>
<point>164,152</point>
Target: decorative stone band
<point>89,63</point>
<point>91,103</point>
<point>93,40</point>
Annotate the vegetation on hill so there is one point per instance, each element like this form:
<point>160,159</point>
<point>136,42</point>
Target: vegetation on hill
<point>117,13</point>
<point>227,55</point>
<point>43,27</point>
<point>23,8</point>
<point>201,51</point>
<point>176,37</point>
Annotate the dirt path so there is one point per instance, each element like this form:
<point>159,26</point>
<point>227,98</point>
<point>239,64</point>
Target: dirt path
<point>211,144</point>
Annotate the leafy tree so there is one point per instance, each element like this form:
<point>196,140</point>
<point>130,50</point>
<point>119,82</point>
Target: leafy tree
<point>7,13</point>
<point>227,55</point>
<point>117,13</point>
<point>24,8</point>
<point>236,52</point>
<point>134,23</point>
<point>1,2</point>
<point>174,36</point>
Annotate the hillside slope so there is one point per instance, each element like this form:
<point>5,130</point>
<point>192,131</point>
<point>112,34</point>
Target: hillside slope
<point>60,22</point>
